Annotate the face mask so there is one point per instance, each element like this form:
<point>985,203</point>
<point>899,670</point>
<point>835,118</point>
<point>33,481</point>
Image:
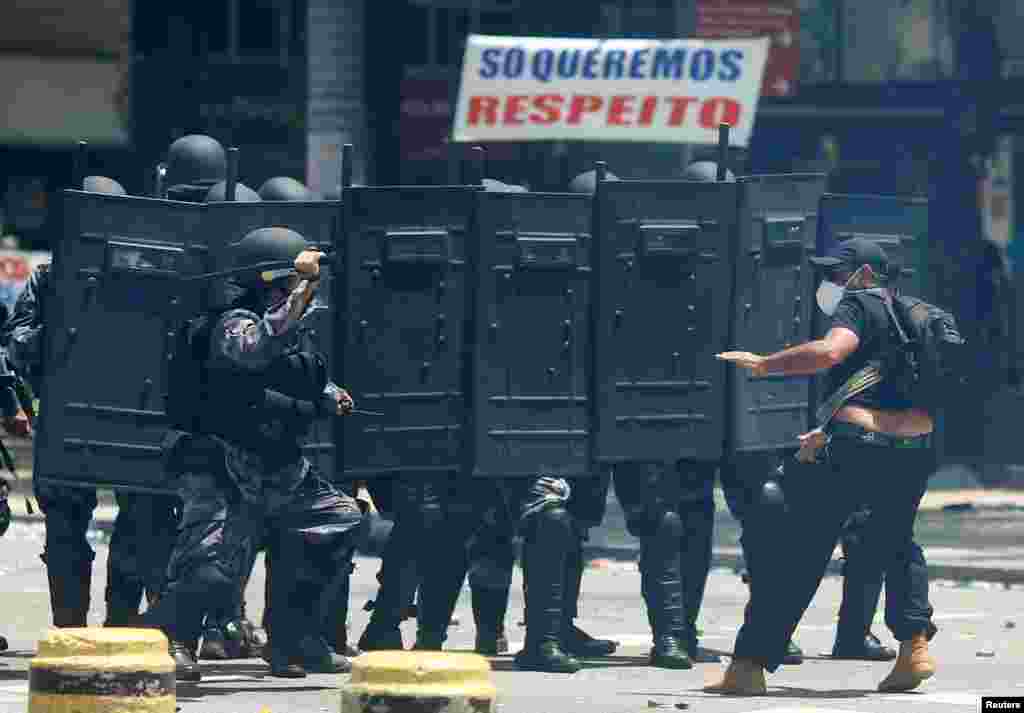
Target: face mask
<point>829,296</point>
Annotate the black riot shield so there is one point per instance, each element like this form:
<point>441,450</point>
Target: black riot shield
<point>109,325</point>
<point>529,273</point>
<point>662,299</point>
<point>401,309</point>
<point>777,228</point>
<point>317,221</point>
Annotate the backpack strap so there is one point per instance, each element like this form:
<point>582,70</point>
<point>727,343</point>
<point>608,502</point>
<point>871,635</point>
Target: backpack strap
<point>859,382</point>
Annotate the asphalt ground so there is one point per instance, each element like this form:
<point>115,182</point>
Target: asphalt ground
<point>980,649</point>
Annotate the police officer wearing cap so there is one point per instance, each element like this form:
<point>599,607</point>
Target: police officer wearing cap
<point>875,434</point>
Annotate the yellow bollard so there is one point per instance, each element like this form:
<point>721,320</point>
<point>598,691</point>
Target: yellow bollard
<point>108,670</point>
<point>415,681</point>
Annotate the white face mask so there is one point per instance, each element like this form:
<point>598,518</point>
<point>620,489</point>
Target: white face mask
<point>829,296</point>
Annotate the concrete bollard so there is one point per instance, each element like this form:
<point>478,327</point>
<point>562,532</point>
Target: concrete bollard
<point>109,670</point>
<point>414,681</point>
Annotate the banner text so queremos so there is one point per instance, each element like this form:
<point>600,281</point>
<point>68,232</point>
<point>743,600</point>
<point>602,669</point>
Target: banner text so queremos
<point>675,91</point>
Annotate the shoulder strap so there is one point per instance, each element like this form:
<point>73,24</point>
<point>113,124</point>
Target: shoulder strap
<point>860,381</point>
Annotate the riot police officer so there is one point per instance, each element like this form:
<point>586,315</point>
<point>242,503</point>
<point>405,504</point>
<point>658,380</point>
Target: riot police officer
<point>144,527</point>
<point>235,452</point>
<point>670,509</point>
<point>874,429</point>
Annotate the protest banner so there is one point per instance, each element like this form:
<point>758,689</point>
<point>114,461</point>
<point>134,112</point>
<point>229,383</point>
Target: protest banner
<point>555,89</point>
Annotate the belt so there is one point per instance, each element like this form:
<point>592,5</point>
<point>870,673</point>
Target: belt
<point>840,429</point>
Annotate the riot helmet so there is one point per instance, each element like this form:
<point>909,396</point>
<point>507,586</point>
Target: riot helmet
<point>243,194</point>
<point>284,188</point>
<point>706,172</point>
<point>586,182</point>
<point>102,184</point>
<point>194,163</point>
<point>266,245</point>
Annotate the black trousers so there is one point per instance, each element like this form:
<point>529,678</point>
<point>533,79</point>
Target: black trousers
<point>140,546</point>
<point>670,508</point>
<point>794,547</point>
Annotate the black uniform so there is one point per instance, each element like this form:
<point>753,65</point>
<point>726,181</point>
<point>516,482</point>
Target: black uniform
<point>855,469</point>
<point>244,480</point>
<point>145,527</point>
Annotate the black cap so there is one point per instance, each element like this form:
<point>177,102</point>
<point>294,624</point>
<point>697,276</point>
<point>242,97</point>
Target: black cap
<point>853,253</point>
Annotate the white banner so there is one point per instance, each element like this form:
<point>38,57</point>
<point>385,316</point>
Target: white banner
<point>668,91</point>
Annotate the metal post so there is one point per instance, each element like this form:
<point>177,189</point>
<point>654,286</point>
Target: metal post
<point>723,151</point>
<point>160,175</point>
<point>347,151</point>
<point>80,165</point>
<point>232,180</point>
<point>478,162</point>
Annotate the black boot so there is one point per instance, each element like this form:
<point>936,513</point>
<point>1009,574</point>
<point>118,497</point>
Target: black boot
<point>185,666</point>
<point>215,645</point>
<point>862,589</point>
<point>575,641</point>
<point>548,542</point>
<point>335,611</point>
<point>663,594</point>
<point>319,657</point>
<point>868,648</point>
<point>489,608</point>
<point>698,519</point>
<point>399,579</point>
<point>440,587</point>
<point>284,663</point>
<point>70,592</point>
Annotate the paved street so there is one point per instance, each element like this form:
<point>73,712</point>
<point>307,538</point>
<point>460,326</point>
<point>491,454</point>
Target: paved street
<point>980,649</point>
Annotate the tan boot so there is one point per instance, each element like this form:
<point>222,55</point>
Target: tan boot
<point>743,678</point>
<point>914,665</point>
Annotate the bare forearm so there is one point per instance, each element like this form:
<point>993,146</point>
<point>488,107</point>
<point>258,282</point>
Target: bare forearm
<point>805,359</point>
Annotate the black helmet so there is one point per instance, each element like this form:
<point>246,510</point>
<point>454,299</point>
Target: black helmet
<point>196,160</point>
<point>706,172</point>
<point>102,184</point>
<point>586,182</point>
<point>243,194</point>
<point>284,188</point>
<point>266,245</point>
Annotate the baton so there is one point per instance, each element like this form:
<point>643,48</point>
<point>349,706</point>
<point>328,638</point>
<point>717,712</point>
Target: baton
<point>361,412</point>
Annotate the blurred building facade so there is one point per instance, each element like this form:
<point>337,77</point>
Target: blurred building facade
<point>862,90</point>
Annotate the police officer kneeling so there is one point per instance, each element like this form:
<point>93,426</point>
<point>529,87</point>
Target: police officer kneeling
<point>235,451</point>
<point>875,448</point>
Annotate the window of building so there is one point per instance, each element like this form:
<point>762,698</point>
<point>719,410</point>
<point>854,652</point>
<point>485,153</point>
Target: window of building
<point>903,40</point>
